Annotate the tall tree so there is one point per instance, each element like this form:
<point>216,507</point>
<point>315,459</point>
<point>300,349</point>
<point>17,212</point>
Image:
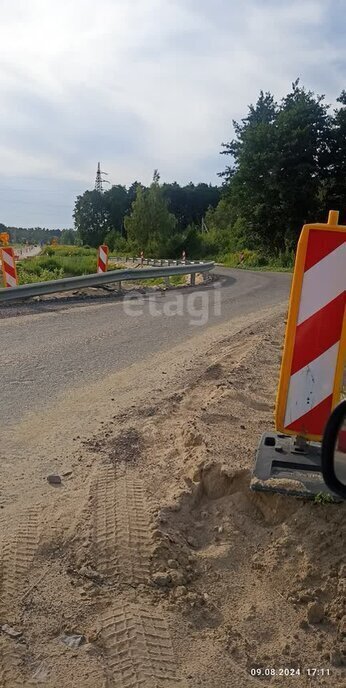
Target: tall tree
<point>250,179</point>
<point>334,190</point>
<point>303,128</point>
<point>279,156</point>
<point>150,224</point>
<point>116,201</point>
<point>92,218</point>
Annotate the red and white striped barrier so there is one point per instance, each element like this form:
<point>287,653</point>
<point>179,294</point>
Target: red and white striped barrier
<point>183,257</point>
<point>314,351</point>
<point>9,270</point>
<point>102,258</point>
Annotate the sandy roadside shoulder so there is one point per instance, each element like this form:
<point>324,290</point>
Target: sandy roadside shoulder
<point>153,549</point>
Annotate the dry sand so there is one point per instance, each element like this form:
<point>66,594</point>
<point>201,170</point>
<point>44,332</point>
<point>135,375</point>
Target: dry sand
<point>154,549</point>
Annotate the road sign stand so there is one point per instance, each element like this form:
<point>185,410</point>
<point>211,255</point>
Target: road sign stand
<point>287,467</point>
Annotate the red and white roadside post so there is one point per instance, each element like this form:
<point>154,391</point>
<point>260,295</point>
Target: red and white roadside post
<point>183,256</point>
<point>102,258</point>
<point>313,363</point>
<point>142,258</point>
<point>9,270</point>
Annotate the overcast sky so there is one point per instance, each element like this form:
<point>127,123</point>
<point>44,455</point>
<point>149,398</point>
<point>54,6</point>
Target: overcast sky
<point>143,84</point>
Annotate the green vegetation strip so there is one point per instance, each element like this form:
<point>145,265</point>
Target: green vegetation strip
<point>58,262</point>
<point>254,260</point>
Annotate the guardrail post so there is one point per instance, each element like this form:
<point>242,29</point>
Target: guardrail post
<point>193,279</point>
<point>167,282</point>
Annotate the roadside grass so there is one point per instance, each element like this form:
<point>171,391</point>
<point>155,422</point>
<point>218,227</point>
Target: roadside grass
<point>254,260</point>
<point>61,250</point>
<point>324,498</point>
<point>42,275</point>
<point>50,266</point>
<point>174,280</point>
<point>177,280</point>
<point>58,262</point>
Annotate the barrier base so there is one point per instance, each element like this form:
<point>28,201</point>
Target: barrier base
<point>289,468</point>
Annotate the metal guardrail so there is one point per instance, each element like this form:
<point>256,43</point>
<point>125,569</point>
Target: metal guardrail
<point>154,261</point>
<point>98,279</point>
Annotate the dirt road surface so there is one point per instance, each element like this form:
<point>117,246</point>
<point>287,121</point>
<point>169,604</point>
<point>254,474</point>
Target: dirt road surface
<point>152,565</point>
<point>57,346</point>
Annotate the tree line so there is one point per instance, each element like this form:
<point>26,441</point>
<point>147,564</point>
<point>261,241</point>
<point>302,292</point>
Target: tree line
<point>286,166</point>
<point>158,219</point>
<point>37,235</point>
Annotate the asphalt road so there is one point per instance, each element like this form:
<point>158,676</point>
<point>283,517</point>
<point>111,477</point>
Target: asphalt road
<point>49,348</point>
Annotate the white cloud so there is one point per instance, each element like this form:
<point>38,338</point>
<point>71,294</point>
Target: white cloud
<point>147,83</point>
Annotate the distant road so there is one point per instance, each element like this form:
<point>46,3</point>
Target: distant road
<point>49,348</point>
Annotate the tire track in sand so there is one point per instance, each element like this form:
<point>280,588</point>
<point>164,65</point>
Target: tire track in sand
<point>16,557</point>
<point>138,649</point>
<point>121,540</point>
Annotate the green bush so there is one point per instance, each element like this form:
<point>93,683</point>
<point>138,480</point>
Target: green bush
<point>257,260</point>
<point>48,263</point>
<point>244,259</point>
<point>25,277</point>
<point>37,264</point>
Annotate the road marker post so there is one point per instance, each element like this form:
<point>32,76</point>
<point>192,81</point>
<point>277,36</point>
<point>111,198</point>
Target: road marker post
<point>9,269</point>
<point>313,362</point>
<point>102,258</point>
